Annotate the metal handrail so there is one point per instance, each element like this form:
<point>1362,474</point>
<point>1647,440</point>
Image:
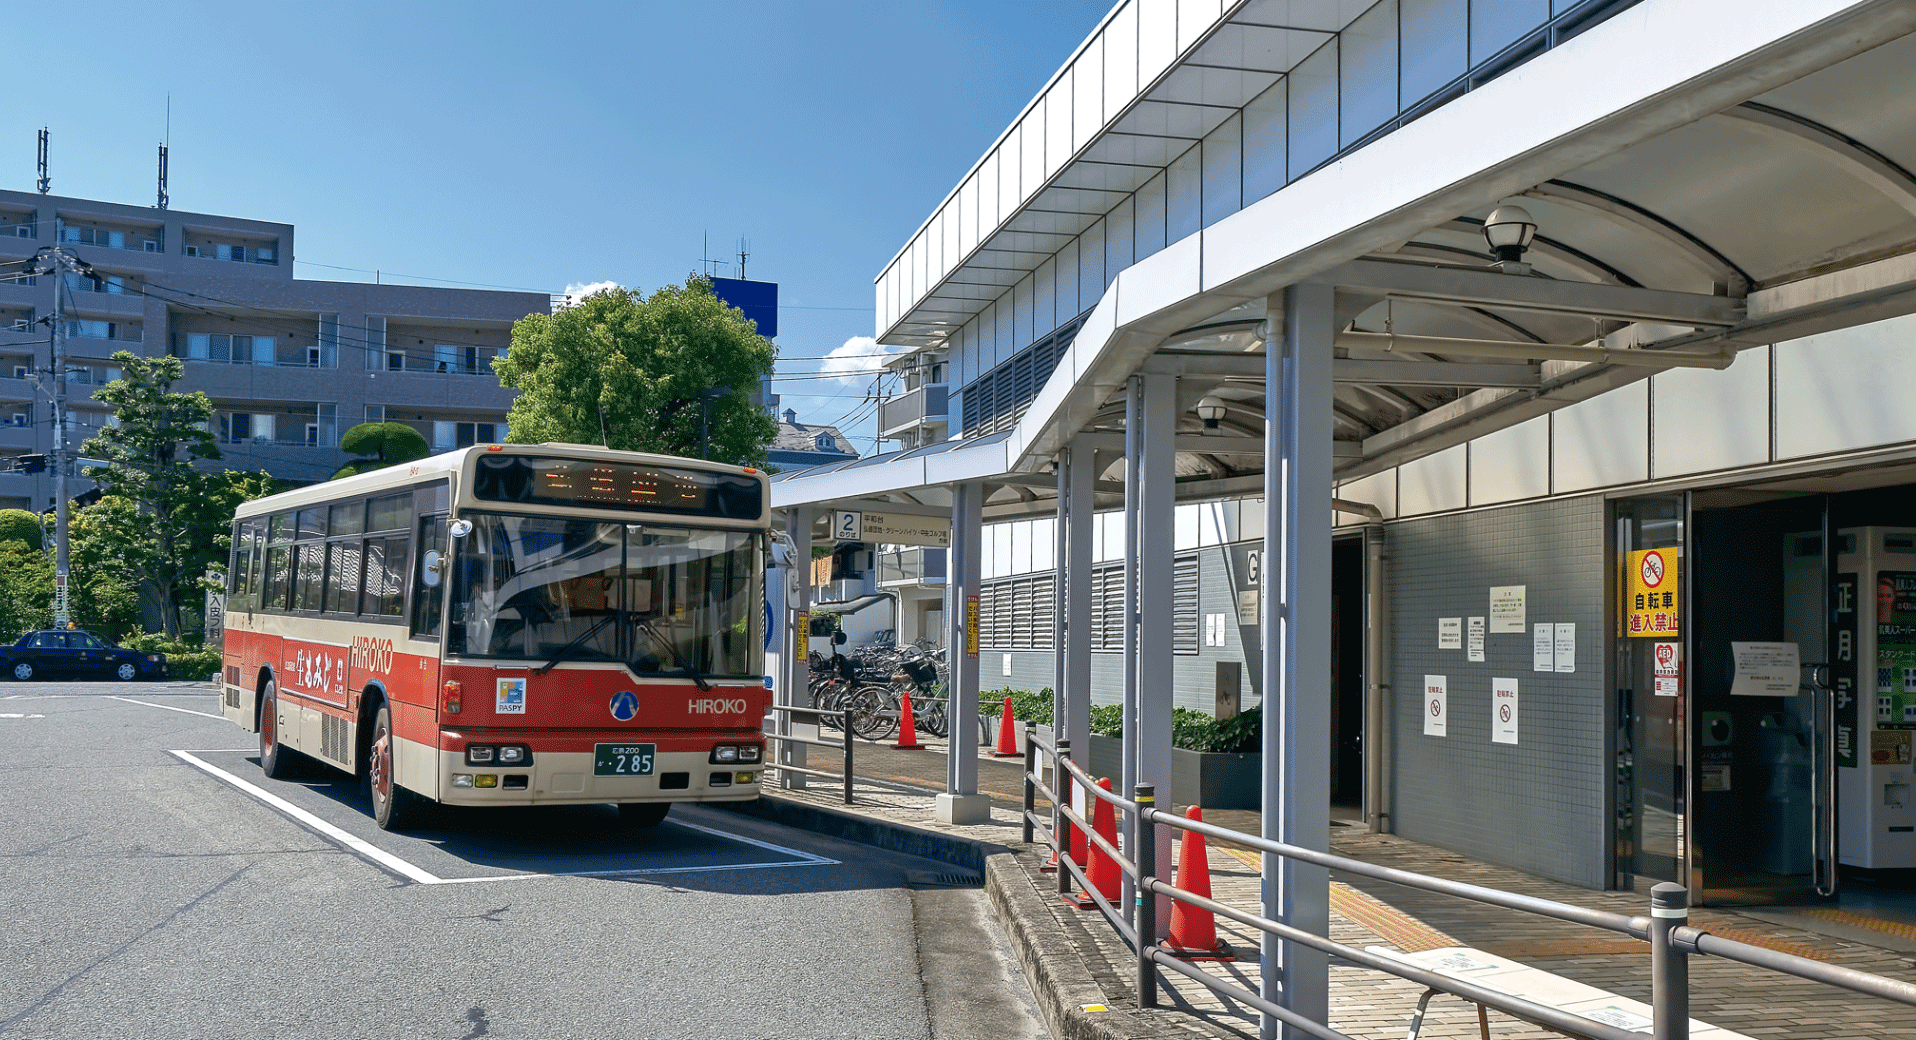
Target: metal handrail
<point>818,714</point>
<point>1665,930</point>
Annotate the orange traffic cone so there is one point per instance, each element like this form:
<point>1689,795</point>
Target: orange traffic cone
<point>1104,872</point>
<point>1007,736</point>
<point>907,727</point>
<point>1194,929</point>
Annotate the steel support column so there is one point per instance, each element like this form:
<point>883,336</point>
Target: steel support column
<point>961,802</point>
<point>1078,523</point>
<point>794,669</point>
<point>1157,551</point>
<point>1296,634</point>
<point>1133,498</point>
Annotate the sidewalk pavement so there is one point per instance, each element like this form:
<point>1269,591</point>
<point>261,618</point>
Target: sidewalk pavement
<point>1082,973</point>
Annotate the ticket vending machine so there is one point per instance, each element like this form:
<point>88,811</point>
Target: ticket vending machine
<point>1873,675</point>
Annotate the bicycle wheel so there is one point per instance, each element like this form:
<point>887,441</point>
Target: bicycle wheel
<point>830,698</point>
<point>872,720</point>
<point>931,716</point>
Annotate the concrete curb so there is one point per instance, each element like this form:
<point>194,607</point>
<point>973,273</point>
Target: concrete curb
<point>1056,972</point>
<point>893,837</point>
<point>1060,980</point>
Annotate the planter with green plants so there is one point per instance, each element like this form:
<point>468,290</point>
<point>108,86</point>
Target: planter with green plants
<point>1215,763</point>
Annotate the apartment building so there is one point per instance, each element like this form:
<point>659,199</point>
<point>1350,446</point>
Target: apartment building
<point>289,363</point>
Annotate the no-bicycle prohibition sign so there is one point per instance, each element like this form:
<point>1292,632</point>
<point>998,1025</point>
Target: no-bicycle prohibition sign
<point>1651,606</point>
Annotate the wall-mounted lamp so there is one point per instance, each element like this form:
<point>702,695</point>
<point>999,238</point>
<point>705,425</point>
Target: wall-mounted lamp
<point>1210,409</point>
<point>1509,229</point>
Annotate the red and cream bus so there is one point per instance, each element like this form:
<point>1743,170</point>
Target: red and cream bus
<point>544,624</point>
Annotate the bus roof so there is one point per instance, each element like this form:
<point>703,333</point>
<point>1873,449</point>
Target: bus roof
<point>408,474</point>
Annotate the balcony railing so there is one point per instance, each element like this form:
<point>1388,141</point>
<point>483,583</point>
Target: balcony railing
<point>267,255</point>
<point>915,565</point>
<point>919,407</point>
<point>138,240</point>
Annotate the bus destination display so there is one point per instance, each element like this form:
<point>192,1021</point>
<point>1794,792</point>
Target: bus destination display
<point>592,483</point>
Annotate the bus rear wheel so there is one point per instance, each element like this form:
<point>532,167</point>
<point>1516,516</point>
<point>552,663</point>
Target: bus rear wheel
<point>394,807</point>
<point>643,814</point>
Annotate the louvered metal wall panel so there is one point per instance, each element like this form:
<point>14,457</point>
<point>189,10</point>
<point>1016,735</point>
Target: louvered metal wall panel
<point>1540,804</point>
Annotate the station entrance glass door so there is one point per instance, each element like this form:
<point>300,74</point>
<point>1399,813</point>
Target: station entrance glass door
<point>1651,700</point>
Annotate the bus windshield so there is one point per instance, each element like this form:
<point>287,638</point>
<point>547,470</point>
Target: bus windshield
<point>664,599</point>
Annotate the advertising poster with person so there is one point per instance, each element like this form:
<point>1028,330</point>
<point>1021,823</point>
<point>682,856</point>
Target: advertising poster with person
<point>1896,647</point>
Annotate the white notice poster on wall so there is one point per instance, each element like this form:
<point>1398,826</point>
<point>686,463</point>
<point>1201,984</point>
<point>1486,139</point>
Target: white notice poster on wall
<point>1507,609</point>
<point>1474,639</point>
<point>1543,648</point>
<point>1450,633</point>
<point>1566,651</point>
<point>1436,704</point>
<point>1503,711</point>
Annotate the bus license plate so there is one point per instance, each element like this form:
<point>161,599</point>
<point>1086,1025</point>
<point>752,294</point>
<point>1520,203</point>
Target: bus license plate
<point>622,759</point>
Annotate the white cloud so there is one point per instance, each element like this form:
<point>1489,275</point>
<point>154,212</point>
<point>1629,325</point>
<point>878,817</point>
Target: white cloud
<point>854,361</point>
<point>576,292</point>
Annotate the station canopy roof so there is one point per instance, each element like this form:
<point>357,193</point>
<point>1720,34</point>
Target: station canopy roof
<point>1694,195</point>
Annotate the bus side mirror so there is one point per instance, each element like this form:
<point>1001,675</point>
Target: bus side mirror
<point>459,528</point>
<point>434,565</point>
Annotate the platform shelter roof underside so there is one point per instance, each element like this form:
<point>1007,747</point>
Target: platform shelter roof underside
<point>1705,176</point>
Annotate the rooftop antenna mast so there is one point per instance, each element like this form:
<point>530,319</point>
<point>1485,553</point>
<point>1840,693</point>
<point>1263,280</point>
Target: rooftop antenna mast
<point>711,262</point>
<point>743,245</point>
<point>163,145</point>
<point>45,182</point>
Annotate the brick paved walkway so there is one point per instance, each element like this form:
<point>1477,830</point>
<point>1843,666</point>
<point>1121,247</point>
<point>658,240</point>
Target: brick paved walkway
<point>1370,1004</point>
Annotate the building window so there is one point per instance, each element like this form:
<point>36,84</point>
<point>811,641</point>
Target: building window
<point>826,442</point>
<point>246,427</point>
<point>86,236</point>
<point>237,350</point>
<point>447,436</point>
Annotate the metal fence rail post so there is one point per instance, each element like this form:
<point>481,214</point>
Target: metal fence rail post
<point>848,754</point>
<point>1144,840</point>
<point>1060,823</point>
<point>1031,777</point>
<point>1669,964</point>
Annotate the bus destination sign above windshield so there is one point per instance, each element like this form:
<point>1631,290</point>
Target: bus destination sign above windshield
<point>625,486</point>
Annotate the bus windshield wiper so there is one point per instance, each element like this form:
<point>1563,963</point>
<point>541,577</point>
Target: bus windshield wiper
<point>575,644</point>
<point>663,644</point>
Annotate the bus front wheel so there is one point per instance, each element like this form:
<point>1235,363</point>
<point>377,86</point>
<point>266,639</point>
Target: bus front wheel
<point>394,807</point>
<point>276,760</point>
<point>643,814</point>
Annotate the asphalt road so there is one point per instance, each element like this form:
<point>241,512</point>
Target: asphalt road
<point>158,886</point>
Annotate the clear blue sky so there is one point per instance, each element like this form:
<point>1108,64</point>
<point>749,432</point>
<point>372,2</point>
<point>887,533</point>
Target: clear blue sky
<point>546,145</point>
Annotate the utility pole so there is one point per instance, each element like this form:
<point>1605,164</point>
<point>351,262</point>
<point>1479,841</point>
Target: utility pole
<point>61,461</point>
<point>58,262</point>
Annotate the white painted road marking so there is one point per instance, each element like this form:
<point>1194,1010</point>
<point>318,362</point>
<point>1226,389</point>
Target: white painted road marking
<point>425,877</point>
<point>169,707</point>
<point>17,715</point>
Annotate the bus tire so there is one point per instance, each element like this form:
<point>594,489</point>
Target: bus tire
<point>394,807</point>
<point>276,760</point>
<point>642,815</point>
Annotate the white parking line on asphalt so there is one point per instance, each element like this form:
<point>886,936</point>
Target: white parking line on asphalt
<point>169,707</point>
<point>425,877</point>
<point>17,715</point>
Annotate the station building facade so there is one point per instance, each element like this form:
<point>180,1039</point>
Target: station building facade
<point>1453,315</point>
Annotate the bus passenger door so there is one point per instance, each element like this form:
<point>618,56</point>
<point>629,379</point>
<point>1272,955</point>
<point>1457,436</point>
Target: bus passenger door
<point>430,579</point>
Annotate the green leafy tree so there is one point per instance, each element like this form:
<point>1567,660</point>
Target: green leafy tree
<point>629,371</point>
<point>19,525</point>
<point>382,444</point>
<point>106,546</point>
<point>169,523</point>
<point>26,586</point>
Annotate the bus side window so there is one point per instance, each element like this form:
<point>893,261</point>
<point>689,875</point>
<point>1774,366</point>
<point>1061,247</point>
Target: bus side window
<point>430,578</point>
